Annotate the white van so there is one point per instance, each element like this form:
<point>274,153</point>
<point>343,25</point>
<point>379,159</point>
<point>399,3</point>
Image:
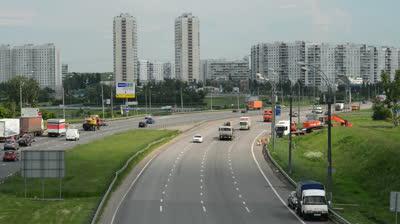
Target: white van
<point>72,134</point>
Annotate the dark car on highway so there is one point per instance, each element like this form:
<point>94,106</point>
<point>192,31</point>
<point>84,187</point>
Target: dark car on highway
<point>244,111</point>
<point>142,124</point>
<point>150,120</point>
<point>11,144</point>
<point>11,155</point>
<point>26,140</point>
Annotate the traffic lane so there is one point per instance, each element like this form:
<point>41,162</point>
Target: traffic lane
<point>278,183</point>
<point>224,197</point>
<point>185,200</point>
<point>257,203</point>
<point>150,199</point>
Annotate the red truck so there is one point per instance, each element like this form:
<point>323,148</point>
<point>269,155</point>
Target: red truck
<point>32,125</point>
<point>254,105</point>
<point>267,115</point>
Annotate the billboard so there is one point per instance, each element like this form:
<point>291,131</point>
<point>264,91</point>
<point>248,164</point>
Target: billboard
<point>30,112</point>
<point>125,90</point>
<point>43,164</point>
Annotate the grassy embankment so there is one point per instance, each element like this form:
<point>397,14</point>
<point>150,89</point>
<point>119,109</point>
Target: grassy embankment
<point>366,163</point>
<point>90,169</point>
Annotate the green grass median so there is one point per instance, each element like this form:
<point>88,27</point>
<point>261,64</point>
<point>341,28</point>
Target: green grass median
<point>89,170</point>
<point>365,161</point>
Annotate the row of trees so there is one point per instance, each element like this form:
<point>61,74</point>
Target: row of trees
<point>389,108</point>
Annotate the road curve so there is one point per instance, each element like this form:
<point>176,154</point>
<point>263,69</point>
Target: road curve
<point>213,182</point>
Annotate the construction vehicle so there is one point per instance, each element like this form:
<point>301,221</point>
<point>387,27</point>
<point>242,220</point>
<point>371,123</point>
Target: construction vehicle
<point>92,123</point>
<point>312,122</point>
<point>267,115</point>
<point>340,120</point>
<point>254,105</point>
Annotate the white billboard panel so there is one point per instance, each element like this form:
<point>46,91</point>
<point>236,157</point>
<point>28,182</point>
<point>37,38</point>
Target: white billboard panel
<point>30,112</point>
<point>125,90</point>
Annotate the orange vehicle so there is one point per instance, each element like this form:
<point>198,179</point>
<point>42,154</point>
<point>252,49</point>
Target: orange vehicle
<point>267,115</point>
<point>311,125</point>
<point>342,121</point>
<point>254,105</point>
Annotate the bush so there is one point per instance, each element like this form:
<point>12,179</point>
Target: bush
<point>47,114</point>
<point>380,111</point>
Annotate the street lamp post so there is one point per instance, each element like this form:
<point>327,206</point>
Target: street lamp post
<point>329,99</point>
<point>273,97</point>
<point>290,129</point>
<point>102,99</point>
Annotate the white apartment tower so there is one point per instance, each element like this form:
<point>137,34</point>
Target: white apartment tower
<point>125,48</point>
<point>187,48</point>
<point>5,63</point>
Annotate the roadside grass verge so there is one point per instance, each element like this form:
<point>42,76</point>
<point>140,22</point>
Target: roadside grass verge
<point>365,162</point>
<point>89,170</point>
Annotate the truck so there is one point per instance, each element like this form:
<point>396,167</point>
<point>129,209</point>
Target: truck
<point>9,128</point>
<point>244,123</point>
<point>91,123</point>
<point>339,106</point>
<point>311,200</point>
<point>254,105</point>
<point>31,125</point>
<point>225,132</point>
<point>56,127</point>
<point>267,117</point>
<point>282,128</point>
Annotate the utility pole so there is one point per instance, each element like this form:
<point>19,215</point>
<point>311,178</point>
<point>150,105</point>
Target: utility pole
<point>238,106</point>
<point>145,97</point>
<point>20,95</point>
<point>211,100</point>
<point>290,130</point>
<point>273,114</point>
<point>298,105</point>
<point>329,181</point>
<point>150,98</point>
<point>111,100</point>
<point>63,101</point>
<point>181,100</point>
<point>102,99</point>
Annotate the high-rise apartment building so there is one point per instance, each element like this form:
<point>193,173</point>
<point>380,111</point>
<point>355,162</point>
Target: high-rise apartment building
<point>322,58</point>
<point>125,48</point>
<point>187,48</point>
<point>157,71</point>
<point>168,70</point>
<point>144,70</point>
<point>226,69</point>
<point>64,70</point>
<point>5,63</point>
<point>40,62</point>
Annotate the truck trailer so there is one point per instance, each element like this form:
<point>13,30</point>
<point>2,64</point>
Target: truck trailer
<point>9,128</point>
<point>32,125</point>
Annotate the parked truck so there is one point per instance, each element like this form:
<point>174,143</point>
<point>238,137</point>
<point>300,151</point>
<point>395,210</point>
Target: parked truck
<point>56,127</point>
<point>31,125</point>
<point>254,105</point>
<point>225,132</point>
<point>245,123</point>
<point>9,128</point>
<point>311,200</point>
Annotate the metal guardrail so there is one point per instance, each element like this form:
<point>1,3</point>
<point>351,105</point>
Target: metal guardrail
<point>122,169</point>
<point>333,215</point>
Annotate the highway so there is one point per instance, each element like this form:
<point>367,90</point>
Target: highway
<point>9,168</point>
<point>210,182</point>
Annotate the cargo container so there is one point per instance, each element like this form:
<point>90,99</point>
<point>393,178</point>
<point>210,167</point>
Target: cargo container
<point>33,125</point>
<point>254,105</point>
<point>55,127</point>
<point>9,128</point>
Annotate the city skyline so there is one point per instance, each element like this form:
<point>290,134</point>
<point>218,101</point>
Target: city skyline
<point>85,43</point>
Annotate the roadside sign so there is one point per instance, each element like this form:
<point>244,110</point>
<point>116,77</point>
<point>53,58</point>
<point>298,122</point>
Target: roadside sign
<point>30,112</point>
<point>108,101</point>
<point>132,103</point>
<point>395,201</point>
<point>125,90</point>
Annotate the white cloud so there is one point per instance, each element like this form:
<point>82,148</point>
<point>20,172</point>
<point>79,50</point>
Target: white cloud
<point>288,6</point>
<point>9,17</point>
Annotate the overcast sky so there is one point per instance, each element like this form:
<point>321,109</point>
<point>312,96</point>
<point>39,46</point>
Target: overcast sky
<point>82,29</point>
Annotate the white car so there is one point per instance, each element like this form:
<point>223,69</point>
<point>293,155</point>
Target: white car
<point>72,134</point>
<point>198,138</point>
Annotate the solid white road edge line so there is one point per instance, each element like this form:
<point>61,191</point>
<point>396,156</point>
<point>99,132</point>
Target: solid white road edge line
<point>130,187</point>
<point>267,180</point>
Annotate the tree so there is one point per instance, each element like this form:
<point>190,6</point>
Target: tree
<point>392,92</point>
<point>30,90</point>
<point>46,95</point>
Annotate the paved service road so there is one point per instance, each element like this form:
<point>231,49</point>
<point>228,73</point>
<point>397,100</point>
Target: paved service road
<point>210,182</point>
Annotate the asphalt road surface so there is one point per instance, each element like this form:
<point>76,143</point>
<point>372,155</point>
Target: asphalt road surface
<point>9,168</point>
<point>210,182</point>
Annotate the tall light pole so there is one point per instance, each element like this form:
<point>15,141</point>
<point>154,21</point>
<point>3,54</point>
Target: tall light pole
<point>238,105</point>
<point>20,94</point>
<point>102,99</point>
<point>63,102</point>
<point>329,102</point>
<point>290,129</point>
<point>273,98</point>
<point>111,99</point>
